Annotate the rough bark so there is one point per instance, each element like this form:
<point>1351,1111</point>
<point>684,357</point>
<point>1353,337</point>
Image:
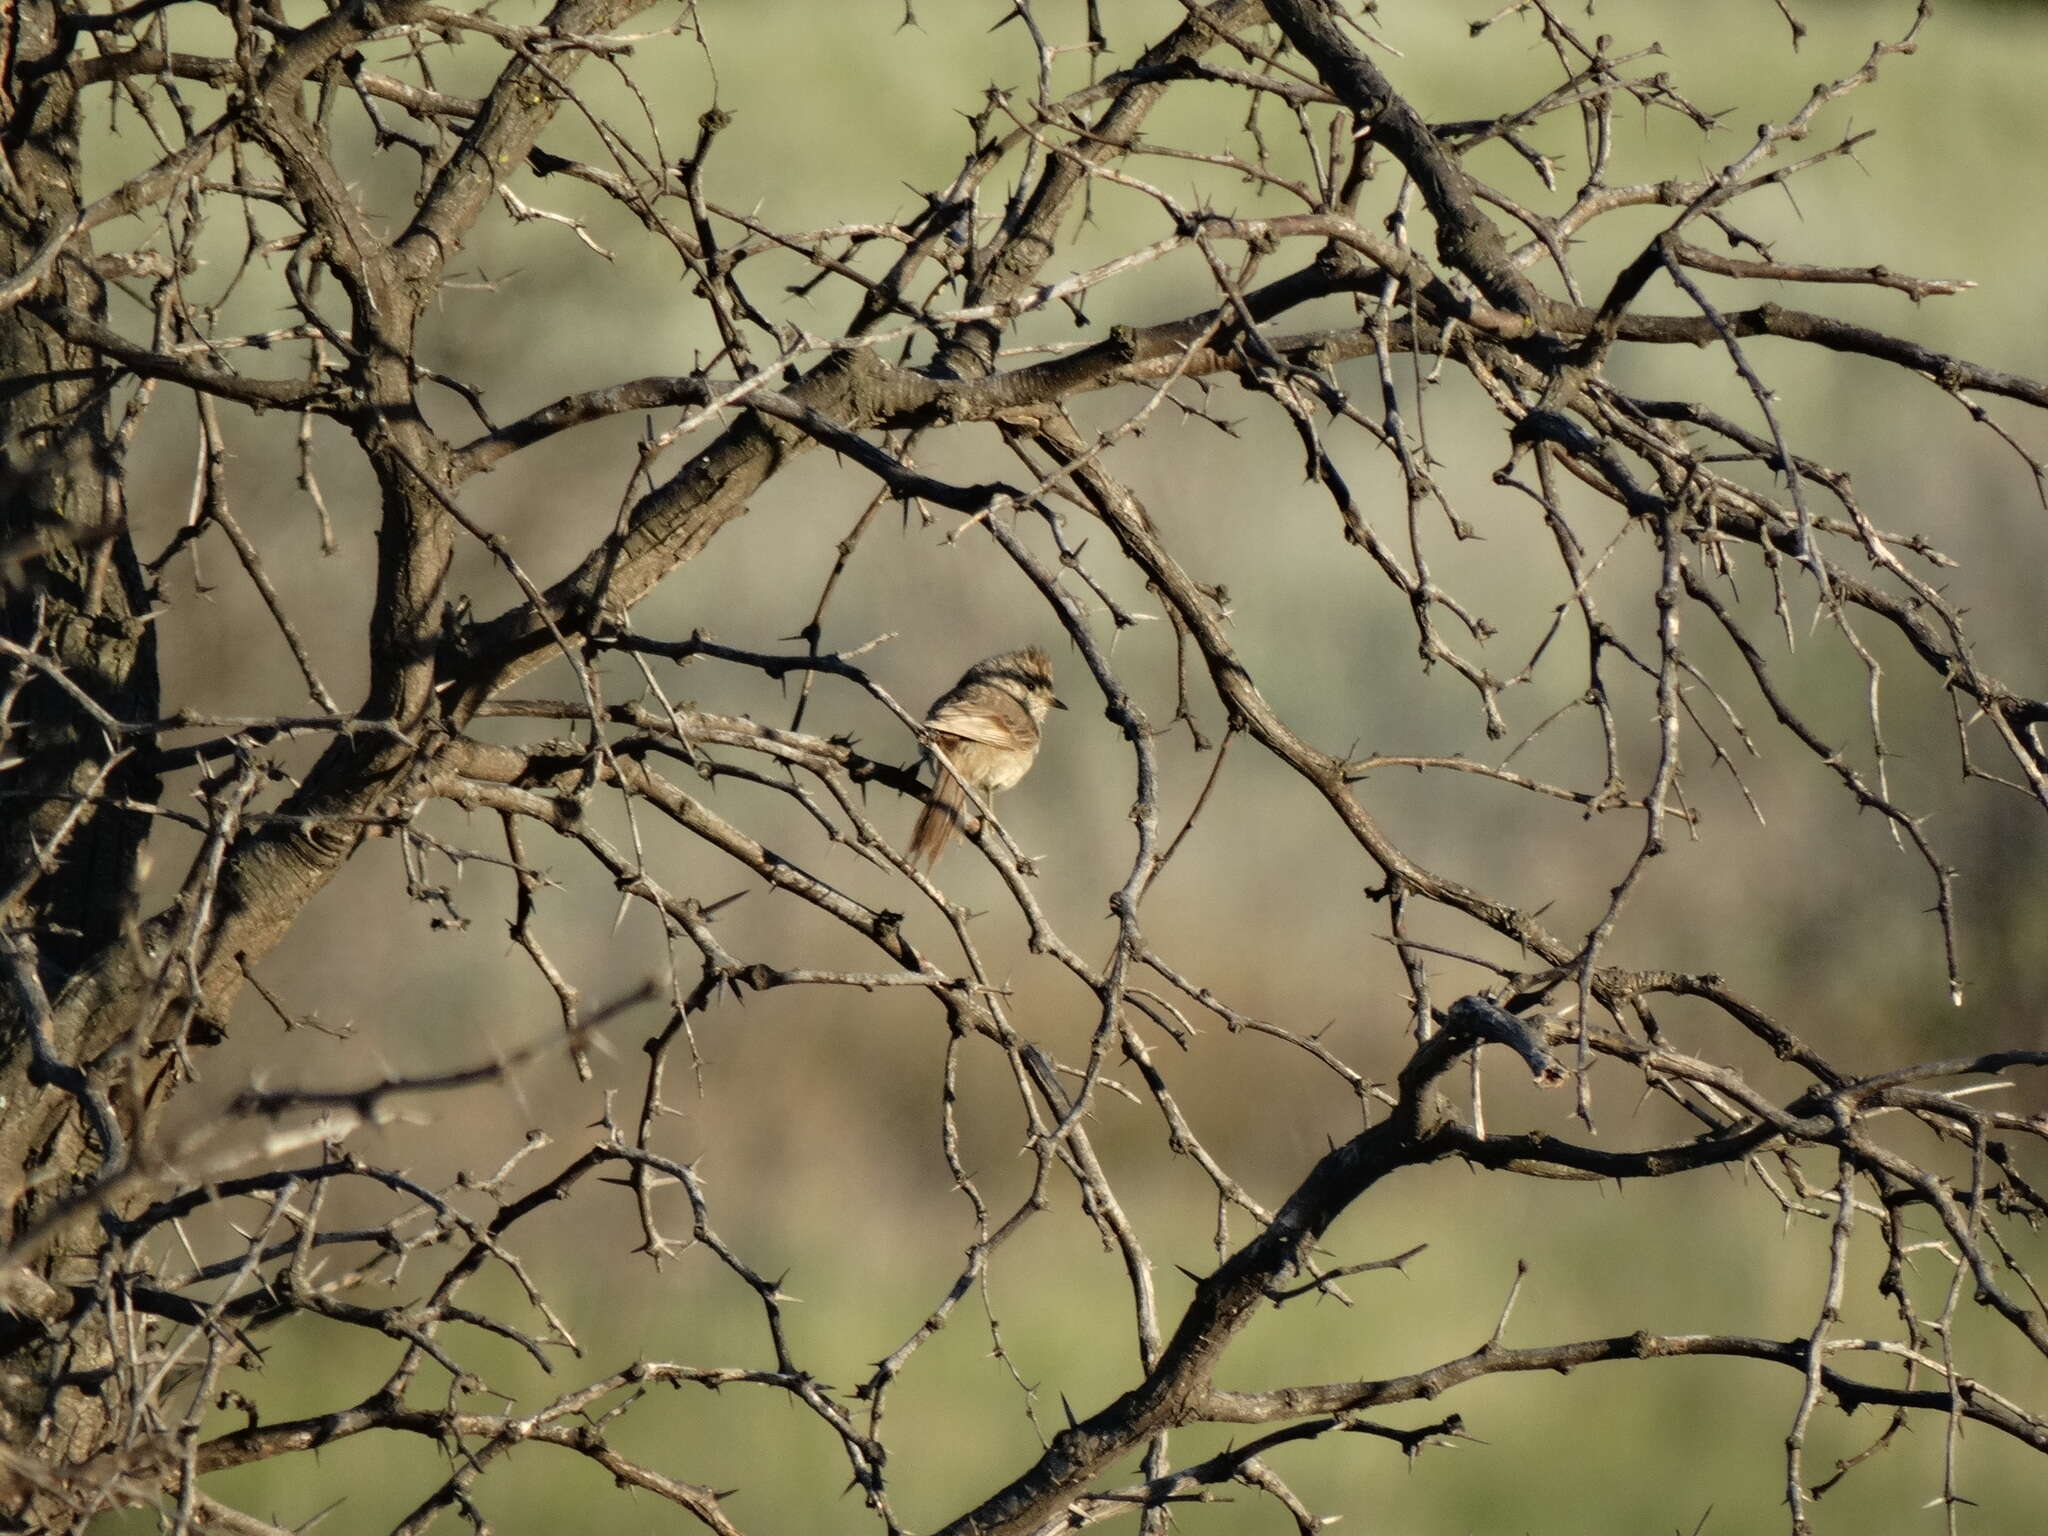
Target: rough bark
<point>77,598</point>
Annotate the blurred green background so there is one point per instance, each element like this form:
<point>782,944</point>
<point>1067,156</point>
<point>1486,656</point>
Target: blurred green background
<point>818,1117</point>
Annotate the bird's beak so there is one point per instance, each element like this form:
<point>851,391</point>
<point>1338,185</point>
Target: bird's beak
<point>1056,703</point>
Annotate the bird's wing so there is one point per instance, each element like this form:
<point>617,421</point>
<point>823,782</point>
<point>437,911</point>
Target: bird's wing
<point>978,722</point>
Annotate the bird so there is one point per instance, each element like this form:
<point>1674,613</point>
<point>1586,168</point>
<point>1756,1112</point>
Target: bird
<point>987,726</point>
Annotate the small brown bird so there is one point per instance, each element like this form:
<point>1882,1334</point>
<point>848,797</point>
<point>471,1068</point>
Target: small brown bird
<point>987,725</point>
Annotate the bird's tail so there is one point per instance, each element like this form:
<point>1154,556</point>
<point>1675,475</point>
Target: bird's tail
<point>939,820</point>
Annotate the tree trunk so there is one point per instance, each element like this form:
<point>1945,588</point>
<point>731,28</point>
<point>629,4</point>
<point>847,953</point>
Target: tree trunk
<point>72,592</point>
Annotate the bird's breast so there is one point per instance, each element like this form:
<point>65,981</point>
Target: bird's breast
<point>1010,766</point>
